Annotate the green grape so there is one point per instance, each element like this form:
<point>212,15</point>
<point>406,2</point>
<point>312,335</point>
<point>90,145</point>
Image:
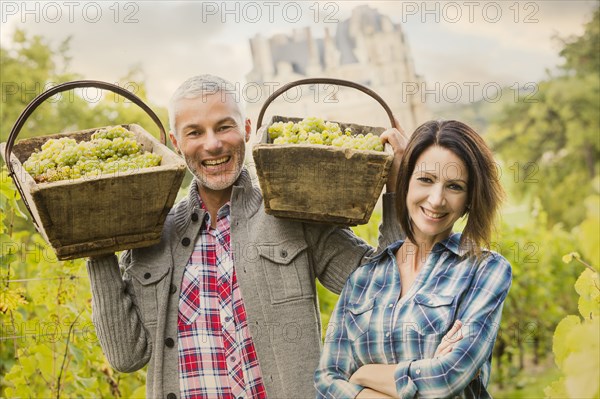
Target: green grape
<point>113,133</point>
<point>314,130</point>
<point>110,150</point>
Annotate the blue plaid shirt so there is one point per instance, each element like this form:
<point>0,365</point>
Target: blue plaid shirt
<point>371,325</point>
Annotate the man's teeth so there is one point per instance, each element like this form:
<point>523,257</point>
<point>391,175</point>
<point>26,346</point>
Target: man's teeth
<point>214,162</point>
<point>433,214</point>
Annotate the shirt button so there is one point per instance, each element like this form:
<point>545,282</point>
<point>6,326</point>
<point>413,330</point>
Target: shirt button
<point>171,396</point>
<point>194,217</point>
<point>228,319</point>
<point>390,305</point>
<point>185,242</point>
<point>173,289</point>
<point>232,359</point>
<point>169,342</point>
<point>418,371</point>
<point>283,253</point>
<point>387,334</point>
<point>147,275</point>
<point>431,302</point>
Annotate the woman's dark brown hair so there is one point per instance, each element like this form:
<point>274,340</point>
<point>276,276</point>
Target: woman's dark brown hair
<point>484,192</point>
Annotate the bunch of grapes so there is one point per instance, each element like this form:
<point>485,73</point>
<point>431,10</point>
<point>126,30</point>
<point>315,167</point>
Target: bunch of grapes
<point>316,131</point>
<point>110,150</point>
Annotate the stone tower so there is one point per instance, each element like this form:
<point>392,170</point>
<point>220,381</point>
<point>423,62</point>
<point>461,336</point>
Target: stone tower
<point>368,48</point>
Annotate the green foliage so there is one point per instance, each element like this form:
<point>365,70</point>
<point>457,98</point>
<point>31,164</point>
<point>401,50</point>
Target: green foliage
<point>551,144</point>
<point>48,342</point>
<point>48,345</point>
<point>541,138</point>
<point>582,54</point>
<point>529,318</point>
<point>577,344</point>
<point>588,231</point>
<point>552,138</point>
<point>370,231</point>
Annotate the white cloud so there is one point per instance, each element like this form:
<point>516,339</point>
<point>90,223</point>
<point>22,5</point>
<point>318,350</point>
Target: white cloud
<point>174,40</point>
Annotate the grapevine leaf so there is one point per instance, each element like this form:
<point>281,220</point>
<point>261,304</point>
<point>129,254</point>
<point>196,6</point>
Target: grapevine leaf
<point>581,367</point>
<point>86,382</point>
<point>140,392</point>
<point>559,343</point>
<point>77,353</point>
<point>29,365</point>
<point>11,299</point>
<point>588,287</point>
<point>15,205</point>
<point>44,356</point>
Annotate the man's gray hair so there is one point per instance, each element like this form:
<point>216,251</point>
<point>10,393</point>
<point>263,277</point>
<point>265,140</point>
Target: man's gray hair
<point>201,86</point>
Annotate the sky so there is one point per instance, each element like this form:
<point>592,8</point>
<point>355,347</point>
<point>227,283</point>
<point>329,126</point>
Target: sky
<point>500,42</point>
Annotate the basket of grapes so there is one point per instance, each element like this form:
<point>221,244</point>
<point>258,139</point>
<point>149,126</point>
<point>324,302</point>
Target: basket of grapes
<point>321,171</point>
<point>98,190</point>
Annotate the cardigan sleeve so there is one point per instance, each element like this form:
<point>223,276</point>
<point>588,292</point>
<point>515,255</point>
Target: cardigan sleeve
<point>337,252</point>
<point>116,316</point>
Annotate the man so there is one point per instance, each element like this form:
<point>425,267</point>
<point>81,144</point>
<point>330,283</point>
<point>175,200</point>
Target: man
<point>225,305</point>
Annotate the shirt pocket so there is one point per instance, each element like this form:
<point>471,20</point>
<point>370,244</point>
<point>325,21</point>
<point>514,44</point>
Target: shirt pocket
<point>358,319</point>
<point>287,271</point>
<point>148,283</point>
<point>434,313</point>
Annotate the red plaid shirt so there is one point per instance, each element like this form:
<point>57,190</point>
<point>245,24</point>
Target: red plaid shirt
<point>217,358</point>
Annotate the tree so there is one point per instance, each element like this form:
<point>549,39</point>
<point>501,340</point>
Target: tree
<point>32,66</point>
<point>582,54</point>
<point>553,138</point>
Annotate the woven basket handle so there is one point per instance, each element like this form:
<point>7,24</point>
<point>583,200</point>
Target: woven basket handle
<point>36,102</point>
<point>338,82</point>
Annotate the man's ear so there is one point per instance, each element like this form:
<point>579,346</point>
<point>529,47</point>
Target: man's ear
<point>174,141</point>
<point>248,128</point>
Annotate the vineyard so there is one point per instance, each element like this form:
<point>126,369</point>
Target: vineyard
<point>548,154</point>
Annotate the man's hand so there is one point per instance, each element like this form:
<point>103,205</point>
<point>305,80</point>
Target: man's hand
<point>451,338</point>
<point>398,140</point>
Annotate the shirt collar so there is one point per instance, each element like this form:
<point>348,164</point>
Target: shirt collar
<point>223,212</point>
<point>244,193</point>
<point>452,243</point>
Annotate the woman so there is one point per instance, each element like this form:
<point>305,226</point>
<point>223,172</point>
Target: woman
<point>392,333</point>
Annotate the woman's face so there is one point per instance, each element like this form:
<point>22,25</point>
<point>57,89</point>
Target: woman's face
<point>437,194</point>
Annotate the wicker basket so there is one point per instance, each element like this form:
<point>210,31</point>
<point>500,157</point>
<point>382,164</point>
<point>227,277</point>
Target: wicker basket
<point>317,183</point>
<point>91,216</point>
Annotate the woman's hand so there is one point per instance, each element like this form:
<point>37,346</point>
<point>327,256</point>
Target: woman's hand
<point>377,378</point>
<point>451,338</point>
<point>398,140</point>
